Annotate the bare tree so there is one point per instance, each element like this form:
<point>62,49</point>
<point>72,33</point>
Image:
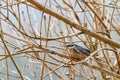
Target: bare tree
<point>34,33</point>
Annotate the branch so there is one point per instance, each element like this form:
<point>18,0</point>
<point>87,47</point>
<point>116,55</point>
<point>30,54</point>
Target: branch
<point>73,24</point>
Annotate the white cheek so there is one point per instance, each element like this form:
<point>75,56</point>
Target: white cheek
<point>71,47</point>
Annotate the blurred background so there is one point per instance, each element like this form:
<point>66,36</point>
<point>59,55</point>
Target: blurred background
<point>32,39</point>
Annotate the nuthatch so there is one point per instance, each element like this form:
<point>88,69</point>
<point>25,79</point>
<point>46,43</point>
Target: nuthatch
<point>76,52</point>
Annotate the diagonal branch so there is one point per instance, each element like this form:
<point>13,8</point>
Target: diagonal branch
<point>73,24</point>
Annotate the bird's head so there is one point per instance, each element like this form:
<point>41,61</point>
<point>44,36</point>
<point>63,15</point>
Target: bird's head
<point>70,46</point>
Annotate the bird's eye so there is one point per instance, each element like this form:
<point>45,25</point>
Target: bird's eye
<point>69,45</point>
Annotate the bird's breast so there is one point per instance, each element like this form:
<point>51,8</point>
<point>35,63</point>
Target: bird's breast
<point>76,56</point>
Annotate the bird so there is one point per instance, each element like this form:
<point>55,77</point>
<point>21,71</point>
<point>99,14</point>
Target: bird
<point>76,52</point>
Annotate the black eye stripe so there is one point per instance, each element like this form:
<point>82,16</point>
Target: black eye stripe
<point>70,45</point>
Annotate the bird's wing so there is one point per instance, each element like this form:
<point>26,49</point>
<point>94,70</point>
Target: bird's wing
<point>82,50</point>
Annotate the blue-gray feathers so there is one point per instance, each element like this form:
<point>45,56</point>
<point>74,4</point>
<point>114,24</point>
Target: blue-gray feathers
<point>80,49</point>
